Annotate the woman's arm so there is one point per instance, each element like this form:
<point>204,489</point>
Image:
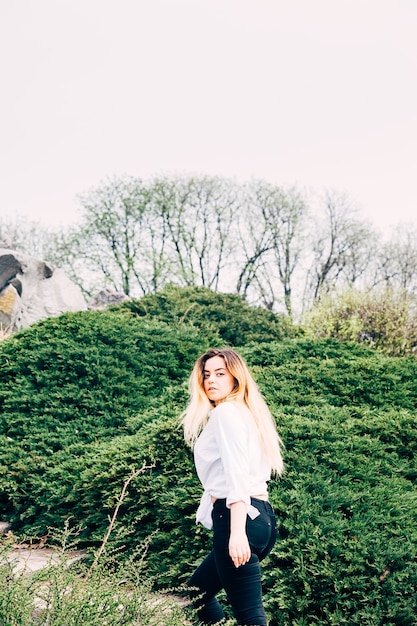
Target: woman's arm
<point>232,438</point>
<point>239,549</point>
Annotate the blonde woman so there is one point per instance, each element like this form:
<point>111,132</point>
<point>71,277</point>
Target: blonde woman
<point>236,449</point>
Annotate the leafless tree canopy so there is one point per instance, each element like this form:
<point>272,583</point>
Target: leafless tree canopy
<point>262,241</point>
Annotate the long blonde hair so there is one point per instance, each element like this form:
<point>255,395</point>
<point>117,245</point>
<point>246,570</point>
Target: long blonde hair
<point>246,391</point>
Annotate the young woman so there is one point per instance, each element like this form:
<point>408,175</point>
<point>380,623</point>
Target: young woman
<point>236,448</point>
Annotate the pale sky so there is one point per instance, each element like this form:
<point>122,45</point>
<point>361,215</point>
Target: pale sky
<point>319,93</point>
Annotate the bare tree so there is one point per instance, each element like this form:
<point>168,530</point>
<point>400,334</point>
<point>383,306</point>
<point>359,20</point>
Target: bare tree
<point>136,237</point>
<point>28,236</point>
<point>198,213</point>
<point>288,237</point>
<point>113,221</point>
<point>360,256</point>
<point>338,246</point>
<point>255,239</point>
<point>272,238</point>
<point>397,259</point>
<point>120,240</point>
<point>260,239</point>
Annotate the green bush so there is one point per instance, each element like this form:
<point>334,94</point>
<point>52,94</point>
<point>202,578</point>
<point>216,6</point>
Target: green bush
<point>311,372</point>
<point>227,314</point>
<point>385,320</point>
<point>348,548</point>
<point>73,381</point>
<point>346,504</point>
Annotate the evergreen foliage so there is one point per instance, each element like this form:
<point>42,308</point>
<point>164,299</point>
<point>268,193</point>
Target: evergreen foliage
<point>71,382</point>
<point>227,314</point>
<point>88,397</point>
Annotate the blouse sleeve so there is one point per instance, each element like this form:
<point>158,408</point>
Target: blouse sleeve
<point>232,437</point>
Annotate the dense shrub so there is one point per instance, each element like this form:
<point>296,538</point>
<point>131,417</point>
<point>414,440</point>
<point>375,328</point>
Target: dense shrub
<point>346,504</point>
<point>385,320</point>
<point>348,549</point>
<point>309,372</point>
<point>228,314</point>
<point>72,381</point>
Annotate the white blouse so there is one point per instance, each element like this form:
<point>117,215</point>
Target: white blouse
<point>229,460</point>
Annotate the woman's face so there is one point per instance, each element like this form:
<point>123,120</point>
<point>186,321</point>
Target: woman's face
<point>217,380</point>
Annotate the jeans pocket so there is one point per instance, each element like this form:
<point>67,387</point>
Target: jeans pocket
<point>259,532</point>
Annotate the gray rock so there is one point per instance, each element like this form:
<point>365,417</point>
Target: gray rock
<point>9,268</point>
<point>107,297</point>
<point>31,290</point>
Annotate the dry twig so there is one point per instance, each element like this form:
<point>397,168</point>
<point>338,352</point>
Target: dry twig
<point>115,514</point>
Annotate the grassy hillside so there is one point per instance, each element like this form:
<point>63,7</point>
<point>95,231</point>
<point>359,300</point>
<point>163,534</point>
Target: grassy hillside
<point>88,397</point>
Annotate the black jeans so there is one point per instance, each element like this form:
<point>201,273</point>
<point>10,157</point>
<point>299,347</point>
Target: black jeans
<point>217,571</point>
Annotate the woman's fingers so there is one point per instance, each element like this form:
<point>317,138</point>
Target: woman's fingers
<point>240,559</point>
<point>239,549</point>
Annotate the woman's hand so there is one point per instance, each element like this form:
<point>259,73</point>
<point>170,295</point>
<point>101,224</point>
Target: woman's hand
<point>239,549</point>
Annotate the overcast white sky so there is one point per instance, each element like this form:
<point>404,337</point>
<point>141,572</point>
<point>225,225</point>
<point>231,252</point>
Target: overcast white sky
<point>322,93</point>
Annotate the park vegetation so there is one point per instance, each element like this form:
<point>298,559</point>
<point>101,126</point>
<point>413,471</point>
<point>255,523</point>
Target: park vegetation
<point>282,248</point>
<point>90,398</point>
<point>322,307</point>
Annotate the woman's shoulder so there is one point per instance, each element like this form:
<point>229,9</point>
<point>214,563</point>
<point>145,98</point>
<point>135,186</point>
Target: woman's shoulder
<point>230,409</point>
<point>232,418</point>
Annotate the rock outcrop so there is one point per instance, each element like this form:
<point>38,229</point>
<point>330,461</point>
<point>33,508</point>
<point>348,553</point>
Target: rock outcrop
<point>31,290</point>
<point>106,298</point>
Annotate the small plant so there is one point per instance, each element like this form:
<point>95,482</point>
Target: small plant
<point>62,594</point>
<point>16,590</point>
<point>107,593</point>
